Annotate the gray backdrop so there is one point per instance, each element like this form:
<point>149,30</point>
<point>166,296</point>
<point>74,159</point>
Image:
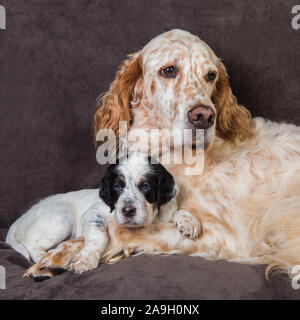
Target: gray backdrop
<point>57,56</point>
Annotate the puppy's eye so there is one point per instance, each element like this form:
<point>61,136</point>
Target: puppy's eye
<point>169,72</point>
<point>211,76</point>
<point>117,187</point>
<point>145,186</point>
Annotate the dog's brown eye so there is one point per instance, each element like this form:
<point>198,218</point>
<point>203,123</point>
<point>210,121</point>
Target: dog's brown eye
<point>169,72</point>
<point>210,76</point>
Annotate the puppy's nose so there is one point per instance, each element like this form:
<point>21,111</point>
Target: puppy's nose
<point>128,210</point>
<point>202,117</point>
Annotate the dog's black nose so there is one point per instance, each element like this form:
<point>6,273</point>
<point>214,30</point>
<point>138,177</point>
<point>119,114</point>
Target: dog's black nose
<point>202,117</point>
<point>128,210</point>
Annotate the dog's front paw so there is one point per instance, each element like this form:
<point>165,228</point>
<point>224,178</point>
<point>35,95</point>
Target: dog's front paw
<point>34,272</point>
<point>187,224</point>
<point>56,260</point>
<point>85,261</point>
<point>62,256</point>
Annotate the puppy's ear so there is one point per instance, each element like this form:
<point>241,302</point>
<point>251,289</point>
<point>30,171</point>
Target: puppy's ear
<point>106,189</point>
<point>166,189</point>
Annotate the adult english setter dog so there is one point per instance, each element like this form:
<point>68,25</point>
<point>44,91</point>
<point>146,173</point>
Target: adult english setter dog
<point>247,197</point>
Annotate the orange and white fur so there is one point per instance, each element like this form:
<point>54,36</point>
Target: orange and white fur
<point>247,198</point>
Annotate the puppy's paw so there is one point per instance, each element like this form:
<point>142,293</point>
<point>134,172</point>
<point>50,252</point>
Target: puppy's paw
<point>187,224</point>
<point>85,261</point>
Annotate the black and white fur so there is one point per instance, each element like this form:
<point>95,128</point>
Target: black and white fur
<point>132,193</point>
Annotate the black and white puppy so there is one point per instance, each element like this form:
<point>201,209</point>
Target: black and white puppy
<point>132,193</point>
<point>137,190</point>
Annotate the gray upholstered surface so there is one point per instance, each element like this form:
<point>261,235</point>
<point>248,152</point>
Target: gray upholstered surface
<point>148,277</point>
<point>57,56</point>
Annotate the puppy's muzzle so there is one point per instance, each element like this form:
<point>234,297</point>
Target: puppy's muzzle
<point>128,210</point>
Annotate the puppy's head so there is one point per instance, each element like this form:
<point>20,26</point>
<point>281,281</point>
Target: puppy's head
<point>136,188</point>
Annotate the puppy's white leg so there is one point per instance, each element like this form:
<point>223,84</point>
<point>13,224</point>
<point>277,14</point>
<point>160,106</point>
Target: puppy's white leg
<point>187,224</point>
<point>94,230</point>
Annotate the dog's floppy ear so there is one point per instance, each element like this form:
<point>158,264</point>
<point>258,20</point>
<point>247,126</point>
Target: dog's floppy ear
<point>166,189</point>
<point>106,192</point>
<point>233,120</point>
<point>114,106</point>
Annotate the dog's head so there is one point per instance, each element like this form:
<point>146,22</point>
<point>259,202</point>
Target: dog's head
<point>136,188</point>
<point>175,82</point>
